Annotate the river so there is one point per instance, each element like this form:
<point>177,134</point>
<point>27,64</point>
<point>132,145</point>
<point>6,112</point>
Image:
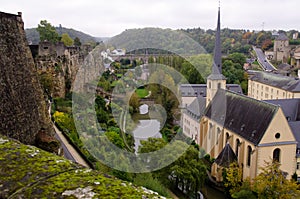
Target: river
<point>147,128</point>
<point>144,130</point>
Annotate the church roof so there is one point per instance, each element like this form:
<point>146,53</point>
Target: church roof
<point>193,90</point>
<point>291,110</point>
<point>226,157</point>
<point>276,80</point>
<point>197,108</point>
<point>245,116</point>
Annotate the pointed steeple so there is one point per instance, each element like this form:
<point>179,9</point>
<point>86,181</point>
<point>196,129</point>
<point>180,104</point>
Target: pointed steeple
<point>216,72</point>
<point>217,51</point>
<point>216,79</point>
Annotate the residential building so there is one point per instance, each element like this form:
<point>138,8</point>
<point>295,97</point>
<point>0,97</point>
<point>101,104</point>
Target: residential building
<point>191,118</point>
<point>268,86</point>
<point>295,60</point>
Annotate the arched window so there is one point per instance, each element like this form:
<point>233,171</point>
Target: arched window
<point>210,130</point>
<point>219,85</point>
<point>237,147</point>
<point>276,155</point>
<point>227,137</point>
<point>209,84</point>
<point>218,134</point>
<point>249,156</point>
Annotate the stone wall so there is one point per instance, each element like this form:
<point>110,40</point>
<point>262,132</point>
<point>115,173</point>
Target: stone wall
<point>23,110</point>
<point>61,63</point>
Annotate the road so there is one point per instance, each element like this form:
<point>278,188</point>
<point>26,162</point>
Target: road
<point>69,151</point>
<point>263,61</point>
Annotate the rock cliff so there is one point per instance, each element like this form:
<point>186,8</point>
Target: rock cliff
<point>23,110</point>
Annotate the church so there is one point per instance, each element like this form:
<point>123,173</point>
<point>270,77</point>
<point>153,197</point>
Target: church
<point>230,126</point>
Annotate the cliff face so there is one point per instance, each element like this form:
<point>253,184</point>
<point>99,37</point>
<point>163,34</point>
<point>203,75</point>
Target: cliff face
<point>23,110</point>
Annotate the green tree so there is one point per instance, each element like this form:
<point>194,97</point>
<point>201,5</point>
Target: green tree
<point>46,80</point>
<point>67,40</point>
<point>187,172</point>
<point>77,42</point>
<point>47,32</point>
<point>134,102</point>
<point>115,138</point>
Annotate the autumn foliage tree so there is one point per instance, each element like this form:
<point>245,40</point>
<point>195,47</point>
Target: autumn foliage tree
<point>271,183</point>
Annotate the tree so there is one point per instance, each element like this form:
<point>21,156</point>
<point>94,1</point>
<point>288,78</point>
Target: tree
<point>134,102</point>
<point>233,178</point>
<point>115,138</point>
<point>188,172</point>
<point>77,42</point>
<point>138,71</point>
<point>47,32</point>
<point>46,80</point>
<point>267,44</point>
<point>67,40</point>
<point>272,183</point>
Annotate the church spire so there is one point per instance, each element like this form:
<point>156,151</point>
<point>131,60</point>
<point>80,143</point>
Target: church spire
<point>216,80</point>
<point>217,65</point>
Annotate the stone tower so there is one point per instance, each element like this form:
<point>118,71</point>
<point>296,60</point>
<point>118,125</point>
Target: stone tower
<point>216,80</point>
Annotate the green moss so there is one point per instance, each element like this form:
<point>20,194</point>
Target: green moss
<point>29,172</point>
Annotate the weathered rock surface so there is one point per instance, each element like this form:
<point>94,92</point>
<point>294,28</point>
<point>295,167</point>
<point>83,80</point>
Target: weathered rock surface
<point>23,111</point>
<point>29,172</point>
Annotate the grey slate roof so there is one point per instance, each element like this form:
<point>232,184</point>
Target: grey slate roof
<point>245,116</point>
<point>197,108</point>
<point>193,90</point>
<point>282,37</point>
<point>276,80</point>
<point>226,157</point>
<point>291,110</point>
<point>295,127</point>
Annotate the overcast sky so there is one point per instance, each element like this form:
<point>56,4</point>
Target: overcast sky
<point>111,17</point>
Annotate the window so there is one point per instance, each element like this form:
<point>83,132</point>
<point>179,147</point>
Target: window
<point>218,134</point>
<point>210,130</point>
<point>249,156</point>
<point>209,84</point>
<point>219,85</point>
<point>298,165</point>
<point>227,137</point>
<point>276,155</point>
<point>237,147</point>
